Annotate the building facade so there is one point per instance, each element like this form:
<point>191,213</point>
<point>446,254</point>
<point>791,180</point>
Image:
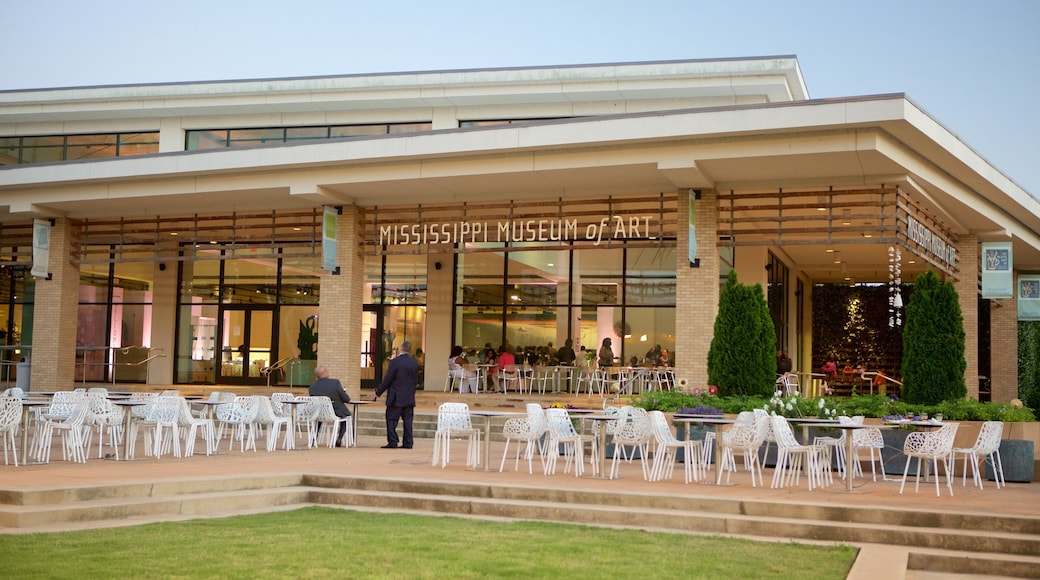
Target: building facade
<point>237,232</point>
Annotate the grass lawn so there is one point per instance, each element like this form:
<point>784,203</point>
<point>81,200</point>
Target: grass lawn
<point>319,542</point>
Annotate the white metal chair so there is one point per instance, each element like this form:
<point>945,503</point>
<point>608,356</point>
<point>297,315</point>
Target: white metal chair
<point>837,444</point>
<point>10,418</point>
<point>453,420</point>
<point>931,446</point>
<point>163,426</point>
<point>192,426</point>
<point>510,374</point>
<point>530,429</point>
<point>105,417</point>
<point>562,432</point>
<point>987,445</point>
<point>665,454</point>
<point>240,417</point>
<point>71,429</point>
<point>791,456</point>
<point>266,416</point>
<point>328,423</point>
<point>635,432</point>
<point>747,439</point>
<point>871,440</point>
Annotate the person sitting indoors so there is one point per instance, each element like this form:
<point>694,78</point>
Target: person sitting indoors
<point>566,354</point>
<point>457,362</point>
<point>490,359</point>
<point>665,360</point>
<point>783,363</point>
<point>830,369</point>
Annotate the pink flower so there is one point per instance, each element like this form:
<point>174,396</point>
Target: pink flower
<point>712,389</point>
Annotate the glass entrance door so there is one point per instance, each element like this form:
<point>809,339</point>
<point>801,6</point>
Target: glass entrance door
<point>247,336</point>
<point>371,346</point>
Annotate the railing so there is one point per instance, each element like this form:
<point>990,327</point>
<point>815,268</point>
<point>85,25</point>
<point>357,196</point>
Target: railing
<point>151,353</point>
<point>6,363</point>
<point>280,366</point>
<point>871,376</point>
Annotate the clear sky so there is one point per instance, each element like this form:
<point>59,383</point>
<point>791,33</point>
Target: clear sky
<point>971,64</point>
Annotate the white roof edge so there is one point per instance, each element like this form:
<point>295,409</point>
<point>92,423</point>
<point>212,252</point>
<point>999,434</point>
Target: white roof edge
<point>743,66</point>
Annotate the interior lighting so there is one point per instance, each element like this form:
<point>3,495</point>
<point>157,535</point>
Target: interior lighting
<point>642,338</point>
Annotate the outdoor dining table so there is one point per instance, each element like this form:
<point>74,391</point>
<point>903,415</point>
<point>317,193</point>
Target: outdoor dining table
<point>850,450</point>
<point>807,422</point>
<point>27,406</point>
<point>128,405</point>
<point>602,419</point>
<point>354,417</point>
<point>487,415</point>
<point>708,420</point>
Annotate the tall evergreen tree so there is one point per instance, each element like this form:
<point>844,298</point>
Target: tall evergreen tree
<point>933,343</point>
<point>742,356</point>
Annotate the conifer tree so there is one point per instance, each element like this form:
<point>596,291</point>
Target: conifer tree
<point>933,343</point>
<point>742,356</point>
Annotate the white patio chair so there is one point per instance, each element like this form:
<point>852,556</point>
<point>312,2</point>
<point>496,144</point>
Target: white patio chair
<point>104,417</point>
<point>531,430</point>
<point>510,374</point>
<point>931,446</point>
<point>192,426</point>
<point>987,445</point>
<point>162,427</point>
<point>328,424</point>
<point>871,440</point>
<point>791,456</point>
<point>240,417</point>
<point>636,432</point>
<point>10,419</point>
<point>837,444</point>
<point>70,427</point>
<point>453,420</point>
<point>562,433</point>
<point>266,417</point>
<point>665,454</point>
<point>747,439</point>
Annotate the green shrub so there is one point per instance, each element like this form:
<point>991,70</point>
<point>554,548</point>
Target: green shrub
<point>742,356</point>
<point>933,343</point>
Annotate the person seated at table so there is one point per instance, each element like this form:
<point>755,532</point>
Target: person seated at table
<point>490,359</point>
<point>324,386</point>
<point>606,354</point>
<point>830,369</point>
<point>457,362</point>
<point>665,360</point>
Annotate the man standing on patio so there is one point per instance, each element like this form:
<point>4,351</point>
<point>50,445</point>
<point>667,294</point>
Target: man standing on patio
<point>400,380</point>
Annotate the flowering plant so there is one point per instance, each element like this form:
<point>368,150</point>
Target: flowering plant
<point>797,406</point>
<point>682,383</point>
<point>700,409</point>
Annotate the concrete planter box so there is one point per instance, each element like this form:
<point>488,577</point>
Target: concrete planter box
<point>1016,457</point>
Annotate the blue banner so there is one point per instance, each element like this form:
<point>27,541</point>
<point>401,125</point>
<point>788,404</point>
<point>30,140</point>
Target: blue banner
<point>997,278</point>
<point>328,238</point>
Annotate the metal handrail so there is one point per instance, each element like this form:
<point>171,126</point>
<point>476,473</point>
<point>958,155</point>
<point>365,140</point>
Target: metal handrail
<point>154,353</point>
<point>279,365</point>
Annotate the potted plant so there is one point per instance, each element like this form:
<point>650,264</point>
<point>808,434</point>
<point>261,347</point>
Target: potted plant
<point>307,343</point>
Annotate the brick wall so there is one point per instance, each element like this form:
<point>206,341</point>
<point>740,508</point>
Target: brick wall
<point>697,289</point>
<point>340,310</point>
<point>1003,325</point>
<point>55,316</point>
<point>967,287</point>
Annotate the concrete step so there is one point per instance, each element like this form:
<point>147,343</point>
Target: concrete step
<point>956,536</point>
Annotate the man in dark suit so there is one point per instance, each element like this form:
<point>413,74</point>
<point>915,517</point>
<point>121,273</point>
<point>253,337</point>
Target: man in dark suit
<point>331,388</point>
<point>399,382</point>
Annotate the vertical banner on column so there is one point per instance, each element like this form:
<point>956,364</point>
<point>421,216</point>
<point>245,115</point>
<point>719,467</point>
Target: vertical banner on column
<point>1029,297</point>
<point>997,278</point>
<point>41,248</point>
<point>694,261</point>
<point>328,238</point>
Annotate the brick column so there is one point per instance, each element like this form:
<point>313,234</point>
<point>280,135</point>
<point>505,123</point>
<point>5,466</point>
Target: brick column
<point>967,287</point>
<point>55,316</point>
<point>341,305</point>
<point>697,289</point>
<point>1003,345</point>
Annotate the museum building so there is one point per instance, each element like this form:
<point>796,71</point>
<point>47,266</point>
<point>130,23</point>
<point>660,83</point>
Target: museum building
<point>241,231</point>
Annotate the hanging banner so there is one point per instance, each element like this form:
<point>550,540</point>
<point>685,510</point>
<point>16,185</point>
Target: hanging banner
<point>328,238</point>
<point>694,261</point>
<point>997,278</point>
<point>1029,297</point>
<point>41,248</point>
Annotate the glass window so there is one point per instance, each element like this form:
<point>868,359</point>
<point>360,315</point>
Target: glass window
<point>9,147</point>
<point>650,276</point>
<point>409,127</point>
<point>480,276</point>
<point>43,149</point>
<point>200,281</point>
<point>356,130</point>
<point>196,140</point>
<point>306,133</point>
<point>90,146</point>
<point>649,328</point>
<point>248,137</point>
<point>138,144</point>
